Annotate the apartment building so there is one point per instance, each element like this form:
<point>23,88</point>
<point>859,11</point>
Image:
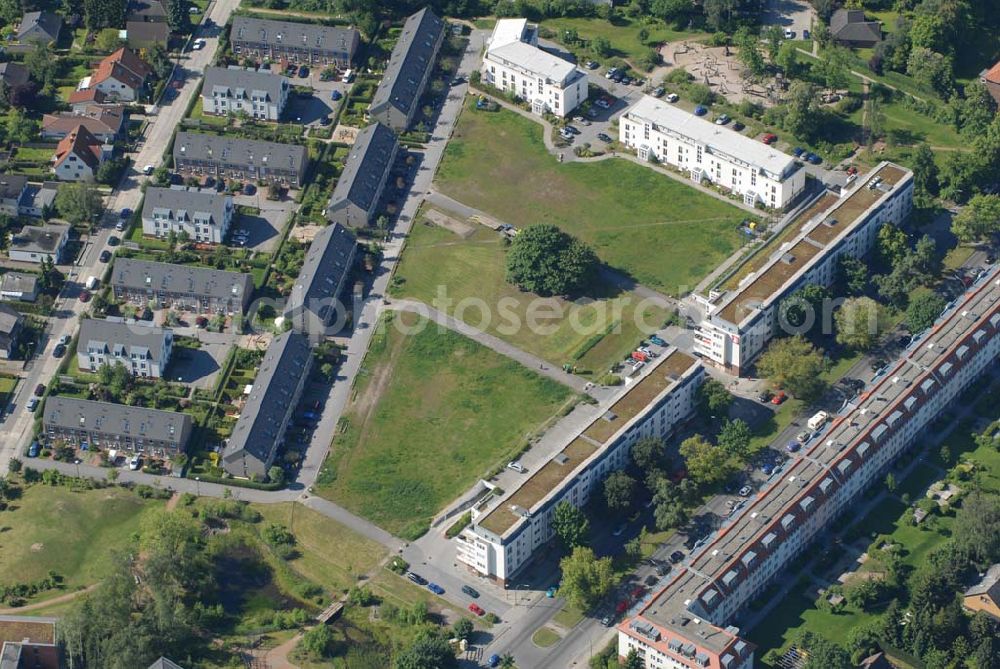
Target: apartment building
<point>203,214</point>
<point>104,425</point>
<point>296,42</point>
<point>514,63</point>
<point>105,122</point>
<point>740,322</point>
<point>757,172</point>
<point>356,196</point>
<point>506,532</point>
<point>686,622</point>
<point>312,306</point>
<point>231,90</point>
<point>143,349</point>
<point>184,287</point>
<point>242,159</point>
<point>398,96</point>
<point>273,398</point>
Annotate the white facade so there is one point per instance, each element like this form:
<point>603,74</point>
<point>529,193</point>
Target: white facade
<point>260,95</point>
<point>203,214</point>
<point>499,549</point>
<point>740,323</point>
<point>738,561</point>
<point>757,172</point>
<point>514,63</point>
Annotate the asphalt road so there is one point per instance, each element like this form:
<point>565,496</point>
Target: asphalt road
<point>17,424</point>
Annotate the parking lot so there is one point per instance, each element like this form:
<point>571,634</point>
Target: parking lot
<point>311,109</point>
<point>262,230</point>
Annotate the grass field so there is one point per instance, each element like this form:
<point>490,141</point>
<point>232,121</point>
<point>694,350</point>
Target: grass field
<point>432,412</point>
<point>471,271</point>
<point>336,570</point>
<point>663,233</point>
<point>622,34</point>
<point>66,531</point>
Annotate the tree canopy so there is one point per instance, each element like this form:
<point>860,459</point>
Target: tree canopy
<point>585,578</point>
<point>794,364</point>
<point>860,322</point>
<point>978,220</point>
<point>570,525</point>
<point>545,260</point>
<point>923,310</point>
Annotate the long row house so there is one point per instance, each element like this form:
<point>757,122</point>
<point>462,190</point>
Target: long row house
<point>308,43</point>
<point>243,159</point>
<point>687,622</point>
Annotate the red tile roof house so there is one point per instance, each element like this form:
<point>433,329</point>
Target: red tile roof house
<point>79,155</point>
<point>121,76</point>
<point>79,100</point>
<point>106,123</point>
<point>991,79</point>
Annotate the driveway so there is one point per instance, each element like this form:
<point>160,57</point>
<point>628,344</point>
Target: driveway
<point>263,229</point>
<point>795,15</point>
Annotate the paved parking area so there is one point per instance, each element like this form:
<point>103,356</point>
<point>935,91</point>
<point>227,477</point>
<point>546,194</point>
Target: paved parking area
<point>309,109</point>
<point>264,229</point>
<point>200,367</point>
<point>794,15</point>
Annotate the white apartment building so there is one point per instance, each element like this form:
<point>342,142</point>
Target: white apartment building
<point>201,213</point>
<point>658,130</point>
<point>514,63</point>
<point>143,349</point>
<point>684,624</point>
<point>505,533</point>
<point>230,90</point>
<point>739,323</point>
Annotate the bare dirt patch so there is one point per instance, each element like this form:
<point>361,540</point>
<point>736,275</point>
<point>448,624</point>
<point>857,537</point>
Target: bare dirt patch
<point>460,228</point>
<point>346,134</point>
<point>718,68</point>
<point>37,547</point>
<point>305,233</point>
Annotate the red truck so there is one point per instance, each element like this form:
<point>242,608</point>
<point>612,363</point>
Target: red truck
<point>640,356</point>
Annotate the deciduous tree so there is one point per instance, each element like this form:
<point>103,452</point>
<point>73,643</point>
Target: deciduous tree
<point>545,260</point>
<point>794,364</point>
<point>923,310</point>
<point>585,578</point>
<point>706,463</point>
<point>619,491</point>
<point>570,525</point>
<point>978,220</point>
<point>860,321</point>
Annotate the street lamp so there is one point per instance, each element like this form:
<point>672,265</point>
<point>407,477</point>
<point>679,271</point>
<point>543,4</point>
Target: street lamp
<point>197,480</point>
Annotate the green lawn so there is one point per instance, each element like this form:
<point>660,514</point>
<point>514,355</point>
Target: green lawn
<point>34,155</point>
<point>69,532</point>
<point>544,637</point>
<point>198,114</point>
<point>432,412</point>
<point>336,570</point>
<point>916,483</point>
<point>470,271</point>
<point>662,232</point>
<point>623,33</point>
<point>914,128</point>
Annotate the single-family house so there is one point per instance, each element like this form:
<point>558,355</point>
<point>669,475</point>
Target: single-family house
<point>40,199</point>
<point>203,214</point>
<point>39,27</point>
<point>105,122</point>
<point>37,242</point>
<point>848,27</point>
<point>79,155</point>
<point>122,76</point>
<point>83,98</point>
<point>13,74</point>
<point>985,595</point>
<point>230,90</point>
<point>366,170</point>
<point>11,327</point>
<point>19,286</point>
<point>146,34</point>
<point>147,11</point>
<point>13,193</point>
<point>991,79</point>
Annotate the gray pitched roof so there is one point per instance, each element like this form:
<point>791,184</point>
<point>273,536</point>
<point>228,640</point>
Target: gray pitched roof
<point>183,279</point>
<point>13,74</point>
<point>164,663</point>
<point>48,22</point>
<point>325,269</point>
<point>850,25</point>
<point>988,586</point>
<point>232,150</point>
<point>181,204</point>
<point>9,318</point>
<point>256,433</point>
<point>138,422</point>
<point>241,83</point>
<point>39,238</point>
<point>287,33</point>
<point>12,185</point>
<point>412,56</point>
<point>365,167</point>
<point>147,31</point>
<point>145,341</point>
<point>147,10</point>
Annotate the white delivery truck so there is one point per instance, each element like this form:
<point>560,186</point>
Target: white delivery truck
<point>818,421</point>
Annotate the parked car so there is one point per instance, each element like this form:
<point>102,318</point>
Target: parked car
<point>745,491</point>
<point>805,34</point>
<point>516,466</point>
<point>134,463</point>
<point>723,119</point>
<point>769,138</point>
<point>40,389</point>
<point>477,609</point>
<point>779,397</point>
<point>303,72</point>
<point>435,588</point>
<point>767,468</point>
<point>59,351</point>
<point>764,397</point>
<point>249,189</point>
<point>657,340</point>
<point>148,169</point>
<point>105,255</point>
<point>658,91</point>
<point>335,95</point>
<point>113,240</point>
<point>32,404</point>
<point>621,607</point>
<point>85,296</point>
<point>551,592</point>
<point>602,103</point>
<point>33,450</point>
<point>673,97</point>
<point>676,557</point>
<point>803,437</point>
<point>607,620</point>
<point>611,73</point>
<point>326,120</point>
<point>416,578</point>
<point>591,65</point>
<point>700,111</point>
<point>573,129</point>
<point>738,126</point>
<point>65,339</point>
<point>198,44</point>
<point>120,225</point>
<point>798,151</point>
<point>604,137</point>
<point>793,446</point>
<point>815,159</point>
<point>789,34</point>
<point>494,660</point>
<point>470,591</point>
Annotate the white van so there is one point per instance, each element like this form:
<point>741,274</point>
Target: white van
<point>90,283</point>
<point>818,420</point>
